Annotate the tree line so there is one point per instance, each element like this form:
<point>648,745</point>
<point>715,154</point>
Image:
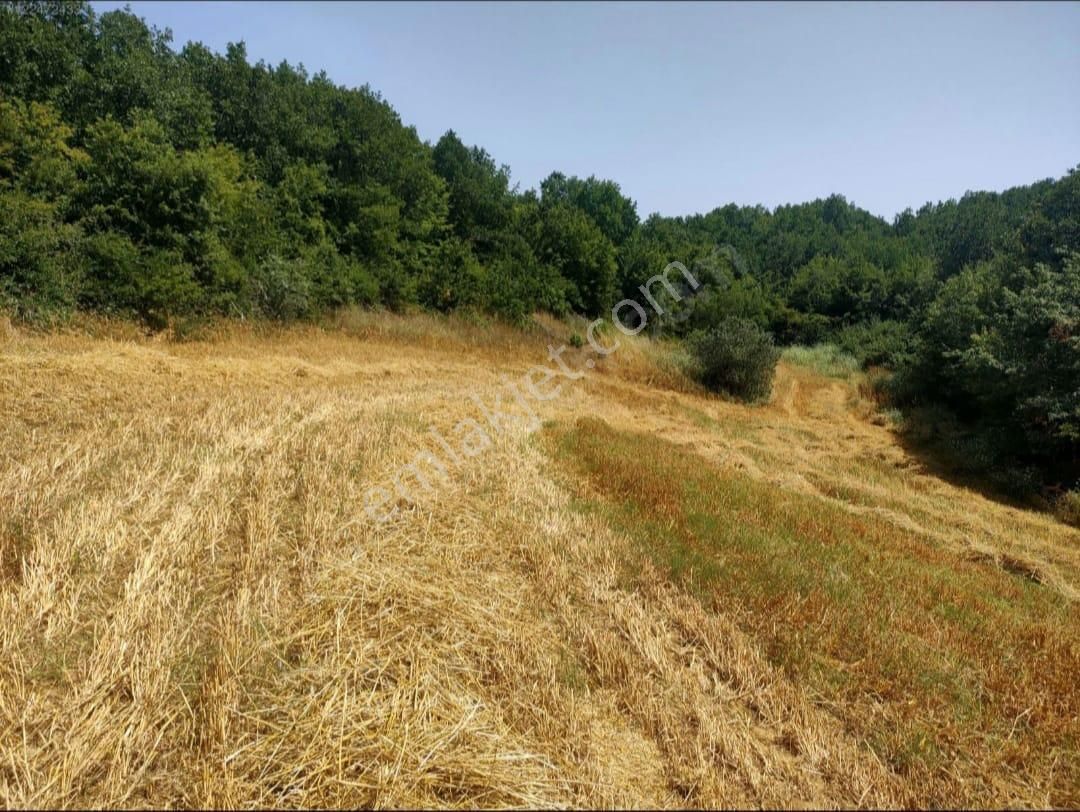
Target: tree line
<point>162,183</point>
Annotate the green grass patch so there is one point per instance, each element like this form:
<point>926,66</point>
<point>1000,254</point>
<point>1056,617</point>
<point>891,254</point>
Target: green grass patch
<point>928,656</point>
<point>825,359</point>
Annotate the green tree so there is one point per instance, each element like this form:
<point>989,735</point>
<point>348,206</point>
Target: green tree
<point>571,243</point>
<point>41,260</point>
<point>602,201</point>
<point>480,203</point>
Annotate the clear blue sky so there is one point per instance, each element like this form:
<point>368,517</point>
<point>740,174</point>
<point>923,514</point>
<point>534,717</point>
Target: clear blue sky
<point>690,106</point>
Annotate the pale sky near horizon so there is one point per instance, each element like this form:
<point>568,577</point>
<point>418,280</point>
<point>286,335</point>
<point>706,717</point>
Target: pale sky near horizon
<point>690,106</point>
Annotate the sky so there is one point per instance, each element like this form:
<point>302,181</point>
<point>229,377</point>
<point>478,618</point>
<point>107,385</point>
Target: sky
<point>692,106</point>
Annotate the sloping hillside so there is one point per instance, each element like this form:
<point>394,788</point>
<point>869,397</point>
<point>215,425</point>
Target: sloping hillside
<point>637,594</point>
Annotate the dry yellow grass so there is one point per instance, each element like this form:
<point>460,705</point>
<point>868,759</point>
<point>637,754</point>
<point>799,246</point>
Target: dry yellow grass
<point>196,610</point>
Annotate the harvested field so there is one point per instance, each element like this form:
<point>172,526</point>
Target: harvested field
<point>651,596</point>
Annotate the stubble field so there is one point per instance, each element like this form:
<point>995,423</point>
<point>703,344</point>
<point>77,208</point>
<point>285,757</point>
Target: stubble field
<point>646,596</point>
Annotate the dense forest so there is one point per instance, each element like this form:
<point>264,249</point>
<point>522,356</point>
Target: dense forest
<point>137,179</point>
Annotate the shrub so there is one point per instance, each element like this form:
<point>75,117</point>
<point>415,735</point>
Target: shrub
<point>1067,507</point>
<point>737,357</point>
<point>825,359</point>
<point>456,279</point>
<point>877,343</point>
<point>283,289</point>
<point>336,280</point>
<point>40,260</point>
<point>153,283</point>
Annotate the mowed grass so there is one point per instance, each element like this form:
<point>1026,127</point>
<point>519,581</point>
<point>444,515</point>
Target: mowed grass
<point>961,675</point>
<point>705,605</point>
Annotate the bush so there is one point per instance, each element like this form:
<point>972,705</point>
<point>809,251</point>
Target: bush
<point>792,327</point>
<point>40,260</point>
<point>152,283</point>
<point>456,279</point>
<point>825,359</point>
<point>1067,508</point>
<point>283,289</point>
<point>877,343</point>
<point>736,357</point>
<point>337,280</point>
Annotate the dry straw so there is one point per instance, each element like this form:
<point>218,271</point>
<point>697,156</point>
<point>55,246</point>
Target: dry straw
<point>195,611</point>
